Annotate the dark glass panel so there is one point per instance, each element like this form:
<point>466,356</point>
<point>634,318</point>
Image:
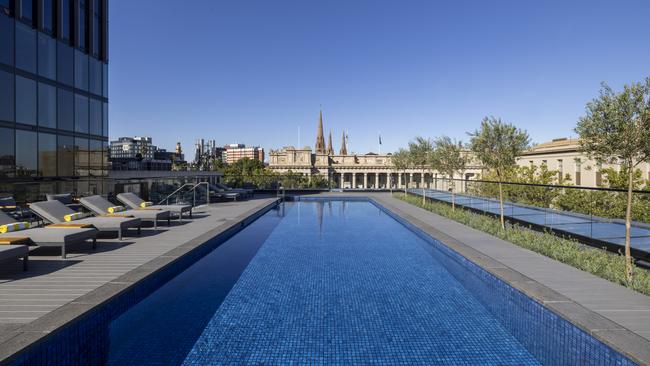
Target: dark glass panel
<point>80,157</point>
<point>46,56</point>
<point>25,100</point>
<point>104,158</point>
<point>25,48</point>
<point>95,76</point>
<point>66,12</point>
<point>26,158</point>
<point>6,96</point>
<point>6,39</point>
<point>46,105</point>
<point>95,158</point>
<point>80,70</point>
<point>81,24</point>
<point>105,120</point>
<point>80,113</point>
<point>27,11</point>
<point>105,80</point>
<point>65,110</point>
<point>7,157</point>
<point>66,156</point>
<point>65,64</point>
<point>96,31</point>
<point>95,117</point>
<point>46,155</point>
<point>48,16</point>
<point>6,7</point>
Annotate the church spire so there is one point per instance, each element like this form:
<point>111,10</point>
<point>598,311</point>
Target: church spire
<point>344,149</point>
<point>320,139</point>
<point>330,148</point>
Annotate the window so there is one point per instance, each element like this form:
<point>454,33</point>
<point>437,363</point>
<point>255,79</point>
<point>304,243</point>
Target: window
<point>95,76</point>
<point>6,96</point>
<point>81,25</point>
<point>105,120</point>
<point>65,64</point>
<point>7,157</point>
<point>80,113</point>
<point>81,157</point>
<point>25,101</point>
<point>27,11</point>
<point>46,56</point>
<point>6,40</point>
<point>80,70</point>
<point>46,105</point>
<point>66,15</point>
<point>95,158</point>
<point>6,7</point>
<point>25,48</point>
<point>96,30</point>
<point>105,80</point>
<point>96,117</point>
<point>26,159</point>
<point>65,155</point>
<point>47,23</point>
<point>46,155</point>
<point>65,110</point>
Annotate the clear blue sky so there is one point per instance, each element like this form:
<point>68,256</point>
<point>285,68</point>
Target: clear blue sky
<point>256,71</point>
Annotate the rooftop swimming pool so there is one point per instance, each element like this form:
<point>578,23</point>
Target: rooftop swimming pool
<point>338,282</point>
<point>331,282</point>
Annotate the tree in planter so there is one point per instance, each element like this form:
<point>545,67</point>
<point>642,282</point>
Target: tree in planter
<point>448,158</point>
<point>497,145</point>
<point>420,152</point>
<point>616,128</point>
<point>401,161</point>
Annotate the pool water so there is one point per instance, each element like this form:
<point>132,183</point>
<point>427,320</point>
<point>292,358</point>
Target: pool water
<point>316,282</point>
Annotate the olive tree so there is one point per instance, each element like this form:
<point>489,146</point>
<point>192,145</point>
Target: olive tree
<point>497,144</point>
<point>420,152</point>
<point>401,161</point>
<point>616,129</point>
<point>448,158</point>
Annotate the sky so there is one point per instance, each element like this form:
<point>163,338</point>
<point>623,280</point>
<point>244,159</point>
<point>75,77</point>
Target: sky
<point>258,71</point>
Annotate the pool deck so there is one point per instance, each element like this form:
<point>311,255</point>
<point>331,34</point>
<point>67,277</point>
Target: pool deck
<point>54,291</point>
<point>614,314</point>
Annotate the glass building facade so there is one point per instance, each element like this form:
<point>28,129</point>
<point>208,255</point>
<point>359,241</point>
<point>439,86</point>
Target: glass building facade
<point>53,97</point>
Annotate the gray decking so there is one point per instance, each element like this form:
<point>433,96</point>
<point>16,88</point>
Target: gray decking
<point>52,282</point>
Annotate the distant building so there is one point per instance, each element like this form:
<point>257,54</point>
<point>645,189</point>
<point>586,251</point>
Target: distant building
<point>566,156</point>
<point>139,153</point>
<point>236,152</point>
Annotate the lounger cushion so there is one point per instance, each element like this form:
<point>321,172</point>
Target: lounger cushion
<point>65,198</point>
<point>16,226</point>
<point>52,211</point>
<point>133,201</point>
<point>58,235</point>
<point>110,223</point>
<point>99,205</point>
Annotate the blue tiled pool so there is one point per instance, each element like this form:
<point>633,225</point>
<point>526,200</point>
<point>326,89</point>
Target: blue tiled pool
<point>342,282</point>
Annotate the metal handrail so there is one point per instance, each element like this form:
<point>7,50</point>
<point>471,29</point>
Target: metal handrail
<point>166,199</point>
<point>193,189</point>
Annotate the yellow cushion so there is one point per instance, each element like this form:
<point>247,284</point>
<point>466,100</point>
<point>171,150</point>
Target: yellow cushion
<point>115,209</point>
<point>74,216</point>
<point>7,240</point>
<point>14,227</point>
<point>69,226</point>
<point>146,204</point>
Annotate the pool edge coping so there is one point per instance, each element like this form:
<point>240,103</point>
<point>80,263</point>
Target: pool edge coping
<point>612,334</point>
<point>34,333</point>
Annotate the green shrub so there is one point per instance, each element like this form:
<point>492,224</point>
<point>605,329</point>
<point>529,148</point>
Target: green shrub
<point>596,261</point>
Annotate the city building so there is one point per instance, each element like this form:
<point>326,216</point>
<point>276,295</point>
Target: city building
<point>344,170</point>
<point>53,97</point>
<point>236,152</point>
<point>206,154</point>
<point>566,156</point>
<point>139,153</point>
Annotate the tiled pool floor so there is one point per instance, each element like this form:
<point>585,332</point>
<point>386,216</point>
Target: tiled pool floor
<point>340,283</point>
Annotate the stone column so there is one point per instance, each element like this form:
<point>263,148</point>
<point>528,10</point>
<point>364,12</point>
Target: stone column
<point>422,180</point>
<point>354,180</point>
<point>365,180</point>
<point>399,180</point>
<point>410,179</point>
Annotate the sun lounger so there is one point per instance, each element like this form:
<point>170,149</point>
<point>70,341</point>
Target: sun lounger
<point>100,206</point>
<point>65,198</point>
<point>11,251</point>
<point>55,212</point>
<point>132,200</point>
<point>242,191</point>
<point>225,194</point>
<point>48,236</point>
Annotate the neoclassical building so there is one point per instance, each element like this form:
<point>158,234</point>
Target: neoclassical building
<point>343,170</point>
